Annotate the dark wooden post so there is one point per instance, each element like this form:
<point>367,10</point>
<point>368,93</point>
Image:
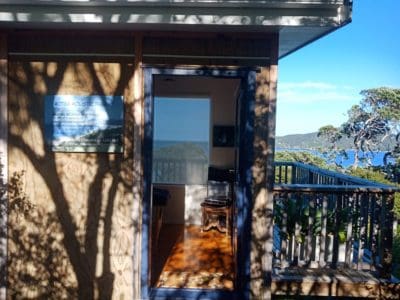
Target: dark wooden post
<point>387,235</point>
<point>4,163</point>
<point>263,178</point>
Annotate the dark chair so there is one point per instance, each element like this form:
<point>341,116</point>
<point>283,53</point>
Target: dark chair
<point>217,207</point>
<point>160,199</point>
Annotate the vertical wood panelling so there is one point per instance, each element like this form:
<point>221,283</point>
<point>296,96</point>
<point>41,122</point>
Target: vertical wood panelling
<point>3,164</point>
<point>138,127</point>
<point>82,202</point>
<point>263,178</point>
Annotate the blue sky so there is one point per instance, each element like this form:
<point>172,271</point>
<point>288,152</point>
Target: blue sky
<point>320,82</point>
<point>189,123</point>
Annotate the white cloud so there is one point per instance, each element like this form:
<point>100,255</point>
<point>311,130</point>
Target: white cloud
<point>306,106</point>
<point>307,85</point>
<point>309,92</point>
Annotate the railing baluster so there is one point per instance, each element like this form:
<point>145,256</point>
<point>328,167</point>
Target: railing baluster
<point>286,174</point>
<point>361,231</point>
<point>311,222</point>
<point>363,209</point>
<point>284,233</point>
<point>375,213</point>
<point>293,175</point>
<point>176,169</point>
<point>296,244</point>
<point>355,205</point>
<point>349,230</point>
<point>387,235</point>
<point>280,174</point>
<point>337,210</point>
<point>322,252</point>
<point>356,229</point>
<point>164,170</point>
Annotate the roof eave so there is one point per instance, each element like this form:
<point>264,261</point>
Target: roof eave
<point>314,18</point>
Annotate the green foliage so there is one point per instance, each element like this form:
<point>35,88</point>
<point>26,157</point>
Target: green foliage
<point>331,133</point>
<point>297,210</point>
<point>384,101</point>
<point>301,156</point>
<point>377,175</point>
<point>375,119</point>
<point>370,123</point>
<point>312,141</point>
<point>370,173</point>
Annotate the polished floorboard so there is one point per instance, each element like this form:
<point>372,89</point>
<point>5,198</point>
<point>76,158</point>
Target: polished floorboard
<point>185,257</point>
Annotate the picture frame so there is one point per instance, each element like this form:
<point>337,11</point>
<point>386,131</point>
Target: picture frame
<point>223,136</point>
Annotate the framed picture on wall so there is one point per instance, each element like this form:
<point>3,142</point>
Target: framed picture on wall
<point>223,136</point>
<point>76,123</point>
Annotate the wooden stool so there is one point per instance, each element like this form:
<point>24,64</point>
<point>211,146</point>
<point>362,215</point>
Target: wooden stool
<point>211,217</point>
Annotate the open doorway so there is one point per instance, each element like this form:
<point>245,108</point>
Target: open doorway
<point>193,132</point>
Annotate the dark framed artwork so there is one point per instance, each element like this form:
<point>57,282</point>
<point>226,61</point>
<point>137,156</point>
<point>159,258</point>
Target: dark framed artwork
<point>223,136</point>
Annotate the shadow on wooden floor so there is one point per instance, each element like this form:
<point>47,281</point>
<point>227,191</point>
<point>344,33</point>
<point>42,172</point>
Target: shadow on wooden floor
<point>188,258</point>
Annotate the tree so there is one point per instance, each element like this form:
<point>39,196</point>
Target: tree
<point>301,156</point>
<point>374,120</point>
<point>332,136</point>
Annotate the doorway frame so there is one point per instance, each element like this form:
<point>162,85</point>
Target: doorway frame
<point>243,182</point>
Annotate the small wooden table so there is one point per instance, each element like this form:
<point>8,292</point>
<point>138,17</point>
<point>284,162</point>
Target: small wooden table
<point>212,214</point>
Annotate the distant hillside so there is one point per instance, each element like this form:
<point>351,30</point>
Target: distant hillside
<point>311,141</point>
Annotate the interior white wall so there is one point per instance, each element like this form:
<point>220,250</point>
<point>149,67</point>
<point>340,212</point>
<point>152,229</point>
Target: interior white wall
<point>194,196</point>
<point>184,205</point>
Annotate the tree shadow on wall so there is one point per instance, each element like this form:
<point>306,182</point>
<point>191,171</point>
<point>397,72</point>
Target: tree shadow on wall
<point>69,213</point>
<point>35,237</point>
<point>3,227</point>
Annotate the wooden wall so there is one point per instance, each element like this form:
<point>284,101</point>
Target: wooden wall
<point>70,221</point>
<point>75,219</point>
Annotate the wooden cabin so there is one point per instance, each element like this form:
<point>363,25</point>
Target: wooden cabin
<point>116,116</point>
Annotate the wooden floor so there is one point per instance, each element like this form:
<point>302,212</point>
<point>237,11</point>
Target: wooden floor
<point>194,260</point>
<point>326,282</point>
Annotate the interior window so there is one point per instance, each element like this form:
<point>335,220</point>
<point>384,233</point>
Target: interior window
<point>181,140</point>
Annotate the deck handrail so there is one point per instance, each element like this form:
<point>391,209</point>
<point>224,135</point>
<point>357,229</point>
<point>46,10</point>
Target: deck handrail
<point>327,219</point>
<point>344,178</point>
<point>335,188</point>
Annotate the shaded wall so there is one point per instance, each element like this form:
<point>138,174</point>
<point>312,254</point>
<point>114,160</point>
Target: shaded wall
<point>70,224</point>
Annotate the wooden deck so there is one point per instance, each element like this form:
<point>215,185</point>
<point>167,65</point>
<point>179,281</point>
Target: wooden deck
<point>189,258</point>
<point>196,260</point>
<point>298,281</point>
<point>324,219</point>
<point>332,230</point>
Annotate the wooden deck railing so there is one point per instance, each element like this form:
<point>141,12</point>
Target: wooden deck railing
<point>327,219</point>
<point>189,171</point>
